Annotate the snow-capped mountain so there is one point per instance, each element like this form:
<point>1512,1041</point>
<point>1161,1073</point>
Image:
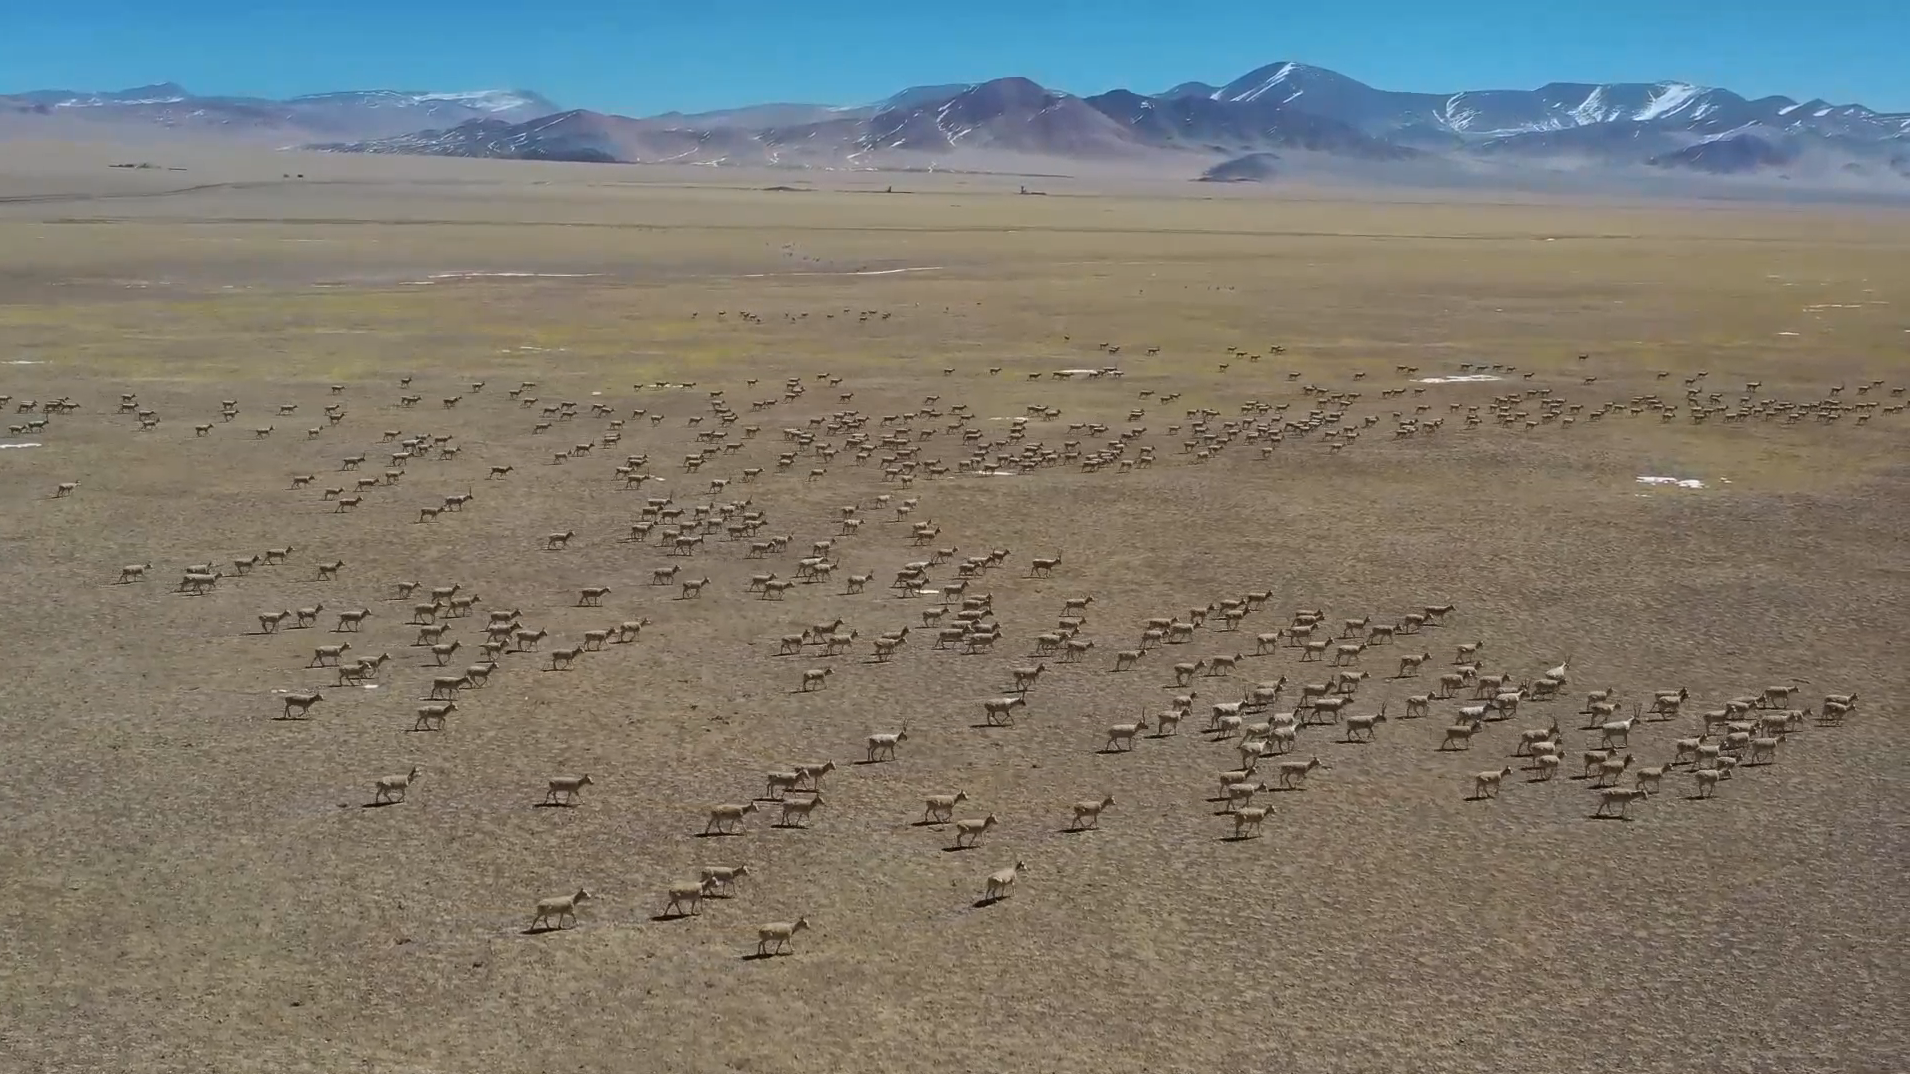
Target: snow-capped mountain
<point>349,114</point>
<point>1300,112</point>
<point>1556,106</point>
<point>1197,122</point>
<point>163,93</point>
<point>516,104</point>
<point>495,100</point>
<point>1008,115</point>
<point>577,135</point>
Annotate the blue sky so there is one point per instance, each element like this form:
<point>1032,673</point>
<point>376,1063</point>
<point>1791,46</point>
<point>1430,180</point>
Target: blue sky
<point>639,58</point>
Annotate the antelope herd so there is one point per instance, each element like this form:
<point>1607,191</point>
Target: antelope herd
<point>886,463</point>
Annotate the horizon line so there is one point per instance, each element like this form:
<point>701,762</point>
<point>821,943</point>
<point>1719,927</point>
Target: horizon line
<point>969,84</point>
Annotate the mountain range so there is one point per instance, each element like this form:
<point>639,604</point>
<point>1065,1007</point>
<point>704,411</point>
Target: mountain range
<point>1279,120</point>
<point>168,107</point>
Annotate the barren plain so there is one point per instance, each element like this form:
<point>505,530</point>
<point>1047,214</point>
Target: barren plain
<point>190,884</point>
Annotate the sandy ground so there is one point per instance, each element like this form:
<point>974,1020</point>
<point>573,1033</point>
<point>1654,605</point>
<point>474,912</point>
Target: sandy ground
<point>189,884</point>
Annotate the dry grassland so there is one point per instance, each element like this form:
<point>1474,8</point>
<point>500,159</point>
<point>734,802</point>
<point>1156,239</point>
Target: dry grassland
<point>187,884</point>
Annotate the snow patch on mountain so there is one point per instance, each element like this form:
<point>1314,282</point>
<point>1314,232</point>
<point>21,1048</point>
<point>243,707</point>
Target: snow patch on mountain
<point>487,100</point>
<point>1277,78</point>
<point>96,101</point>
<point>1456,115</point>
<point>1596,108</point>
<point>1672,96</point>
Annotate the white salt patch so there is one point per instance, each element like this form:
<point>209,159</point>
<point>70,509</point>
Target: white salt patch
<point>5,446</point>
<point>865,272</point>
<point>996,473</point>
<point>436,276</point>
<point>25,361</point>
<point>1681,482</point>
<point>1461,378</point>
<point>930,592</point>
<point>512,275</point>
<point>1787,333</point>
<point>1078,372</point>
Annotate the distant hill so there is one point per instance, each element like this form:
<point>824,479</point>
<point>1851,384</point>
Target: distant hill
<point>1252,168</point>
<point>1732,155</point>
<point>1308,119</point>
<point>354,114</point>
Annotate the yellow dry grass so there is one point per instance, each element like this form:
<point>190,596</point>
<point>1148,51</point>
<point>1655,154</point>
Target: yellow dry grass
<point>188,884</point>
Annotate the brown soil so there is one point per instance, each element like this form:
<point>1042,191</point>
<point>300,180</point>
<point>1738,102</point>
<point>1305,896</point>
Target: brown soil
<point>189,884</point>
